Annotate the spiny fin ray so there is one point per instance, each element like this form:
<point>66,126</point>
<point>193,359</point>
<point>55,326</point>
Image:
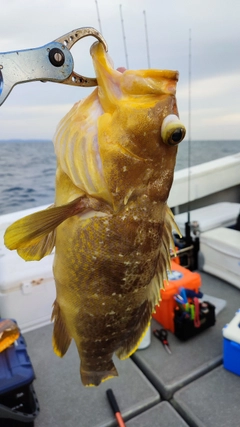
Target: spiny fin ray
<point>158,282</point>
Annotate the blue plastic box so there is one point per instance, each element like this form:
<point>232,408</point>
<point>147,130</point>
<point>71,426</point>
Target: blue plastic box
<point>15,367</point>
<point>231,345</point>
<point>18,400</point>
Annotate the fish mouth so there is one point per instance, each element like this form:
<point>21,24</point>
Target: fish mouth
<point>114,84</point>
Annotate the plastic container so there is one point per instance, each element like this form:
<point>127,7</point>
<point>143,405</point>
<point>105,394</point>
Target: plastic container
<point>179,277</point>
<point>220,250</point>
<point>186,328</point>
<point>15,367</point>
<point>146,341</point>
<point>19,408</point>
<point>222,214</point>
<point>231,345</point>
<point>18,401</point>
<point>27,289</point>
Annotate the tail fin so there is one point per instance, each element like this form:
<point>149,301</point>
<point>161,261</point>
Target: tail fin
<point>94,378</point>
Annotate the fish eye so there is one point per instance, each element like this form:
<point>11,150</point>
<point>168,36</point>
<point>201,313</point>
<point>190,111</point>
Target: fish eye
<point>177,136</point>
<point>172,130</point>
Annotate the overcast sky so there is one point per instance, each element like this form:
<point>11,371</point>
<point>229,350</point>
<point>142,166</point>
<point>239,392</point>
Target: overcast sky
<point>33,110</point>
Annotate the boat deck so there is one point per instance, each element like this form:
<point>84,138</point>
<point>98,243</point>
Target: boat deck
<point>190,387</point>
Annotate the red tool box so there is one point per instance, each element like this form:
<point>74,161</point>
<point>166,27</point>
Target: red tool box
<point>179,277</point>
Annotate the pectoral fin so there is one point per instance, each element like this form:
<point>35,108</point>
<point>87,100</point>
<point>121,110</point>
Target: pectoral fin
<point>32,228</point>
<point>39,249</point>
<point>34,235</point>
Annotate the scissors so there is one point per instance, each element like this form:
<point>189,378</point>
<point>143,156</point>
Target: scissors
<point>51,62</point>
<point>162,335</point>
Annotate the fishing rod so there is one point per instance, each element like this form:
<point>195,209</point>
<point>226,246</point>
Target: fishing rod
<point>124,37</point>
<point>188,223</point>
<point>146,34</point>
<point>188,226</point>
<point>98,15</point>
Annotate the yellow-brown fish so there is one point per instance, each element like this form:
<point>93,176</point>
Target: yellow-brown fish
<point>110,224</point>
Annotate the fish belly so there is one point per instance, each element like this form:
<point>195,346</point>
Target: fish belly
<point>103,268</point>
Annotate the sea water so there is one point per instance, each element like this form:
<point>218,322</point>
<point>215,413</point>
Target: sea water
<point>27,169</point>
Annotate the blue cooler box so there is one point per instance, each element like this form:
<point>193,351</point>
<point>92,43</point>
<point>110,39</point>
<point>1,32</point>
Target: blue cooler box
<point>231,345</point>
<point>18,401</point>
